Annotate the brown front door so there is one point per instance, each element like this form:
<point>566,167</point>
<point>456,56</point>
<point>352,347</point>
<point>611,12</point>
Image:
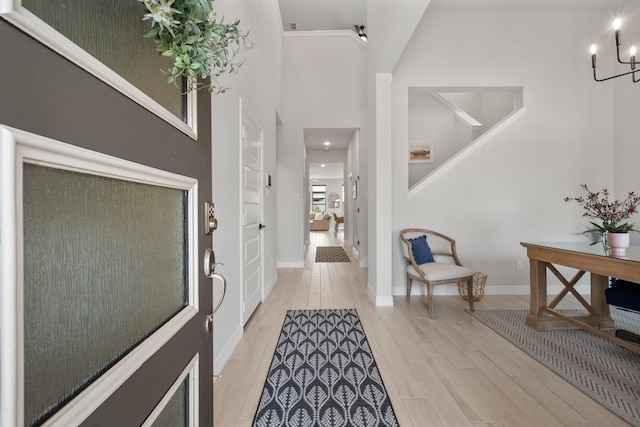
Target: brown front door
<point>104,299</point>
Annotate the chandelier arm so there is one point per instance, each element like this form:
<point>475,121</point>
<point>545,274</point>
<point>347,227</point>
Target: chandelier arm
<point>613,77</point>
<point>620,60</point>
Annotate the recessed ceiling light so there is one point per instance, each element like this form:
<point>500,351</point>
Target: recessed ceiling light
<point>322,166</point>
<point>327,143</point>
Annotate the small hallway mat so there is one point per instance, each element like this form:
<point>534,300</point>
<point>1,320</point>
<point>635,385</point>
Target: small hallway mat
<point>604,371</point>
<point>331,254</point>
<point>323,374</point>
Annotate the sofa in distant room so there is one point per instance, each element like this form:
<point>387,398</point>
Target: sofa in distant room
<point>319,221</point>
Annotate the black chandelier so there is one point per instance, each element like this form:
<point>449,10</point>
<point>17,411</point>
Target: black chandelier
<point>632,56</point>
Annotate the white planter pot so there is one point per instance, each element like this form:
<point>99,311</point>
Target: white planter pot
<point>618,242</point>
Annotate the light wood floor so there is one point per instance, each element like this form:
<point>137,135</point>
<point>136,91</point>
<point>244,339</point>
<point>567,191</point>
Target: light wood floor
<point>448,371</point>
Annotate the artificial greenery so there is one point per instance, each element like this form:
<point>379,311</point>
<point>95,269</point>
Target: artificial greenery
<point>200,46</point>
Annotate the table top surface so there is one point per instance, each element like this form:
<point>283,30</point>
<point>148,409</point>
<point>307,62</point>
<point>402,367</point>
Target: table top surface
<point>632,252</point>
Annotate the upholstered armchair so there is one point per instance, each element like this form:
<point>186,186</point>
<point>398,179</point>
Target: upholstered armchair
<point>432,259</point>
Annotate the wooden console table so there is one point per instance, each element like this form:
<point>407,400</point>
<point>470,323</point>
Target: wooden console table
<point>584,258</point>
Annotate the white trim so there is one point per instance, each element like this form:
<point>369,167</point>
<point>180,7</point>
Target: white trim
<point>98,392</point>
<point>16,148</point>
<point>10,398</point>
<point>364,262</point>
<point>467,120</point>
<point>465,152</point>
<point>241,137</point>
<point>326,33</point>
<point>22,18</point>
<point>269,287</point>
<point>293,264</point>
<point>384,301</point>
<point>226,352</point>
<point>371,293</point>
<point>192,370</point>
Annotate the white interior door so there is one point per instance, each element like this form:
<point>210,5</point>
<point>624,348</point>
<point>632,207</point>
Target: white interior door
<point>251,217</point>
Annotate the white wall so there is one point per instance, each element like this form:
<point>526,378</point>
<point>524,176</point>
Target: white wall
<point>323,88</point>
<point>626,113</point>
<point>258,85</point>
<point>512,188</point>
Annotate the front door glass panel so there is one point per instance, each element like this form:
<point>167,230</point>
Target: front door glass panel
<point>105,265</point>
<point>176,413</point>
<point>112,32</point>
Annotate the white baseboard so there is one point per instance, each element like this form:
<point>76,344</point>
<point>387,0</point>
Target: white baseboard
<point>384,301</point>
<point>223,356</point>
<point>269,287</point>
<point>364,262</point>
<point>379,301</point>
<point>452,289</point>
<point>282,264</point>
<point>371,293</point>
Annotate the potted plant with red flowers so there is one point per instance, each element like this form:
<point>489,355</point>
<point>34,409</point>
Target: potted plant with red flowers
<point>612,213</point>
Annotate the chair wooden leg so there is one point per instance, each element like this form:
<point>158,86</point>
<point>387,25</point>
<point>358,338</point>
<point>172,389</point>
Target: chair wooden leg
<point>470,294</point>
<point>430,300</point>
<point>409,283</point>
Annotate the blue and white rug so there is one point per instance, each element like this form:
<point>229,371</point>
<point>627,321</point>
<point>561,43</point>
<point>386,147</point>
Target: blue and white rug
<point>323,374</point>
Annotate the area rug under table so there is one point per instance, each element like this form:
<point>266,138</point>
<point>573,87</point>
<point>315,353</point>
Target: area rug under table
<point>323,374</point>
<point>331,254</point>
<point>604,371</point>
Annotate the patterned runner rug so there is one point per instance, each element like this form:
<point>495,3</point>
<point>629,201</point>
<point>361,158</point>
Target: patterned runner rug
<point>606,372</point>
<point>323,374</point>
<point>331,254</point>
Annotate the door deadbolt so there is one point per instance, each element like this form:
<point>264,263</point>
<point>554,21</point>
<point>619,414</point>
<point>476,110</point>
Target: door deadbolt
<point>210,221</point>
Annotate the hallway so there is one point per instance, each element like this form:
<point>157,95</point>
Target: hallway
<point>451,370</point>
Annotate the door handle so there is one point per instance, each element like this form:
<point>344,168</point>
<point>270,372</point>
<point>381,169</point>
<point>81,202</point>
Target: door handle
<point>261,226</point>
<point>217,307</point>
<point>224,290</point>
<point>210,262</point>
<point>209,271</point>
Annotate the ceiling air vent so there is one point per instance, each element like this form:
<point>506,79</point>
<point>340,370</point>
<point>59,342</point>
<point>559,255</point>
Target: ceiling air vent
<point>293,26</point>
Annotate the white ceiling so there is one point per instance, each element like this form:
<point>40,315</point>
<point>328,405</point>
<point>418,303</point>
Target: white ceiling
<point>339,139</point>
<point>312,15</point>
<point>331,170</point>
<point>527,4</point>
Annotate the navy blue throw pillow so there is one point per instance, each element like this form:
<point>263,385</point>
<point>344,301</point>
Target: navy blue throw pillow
<point>421,250</point>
